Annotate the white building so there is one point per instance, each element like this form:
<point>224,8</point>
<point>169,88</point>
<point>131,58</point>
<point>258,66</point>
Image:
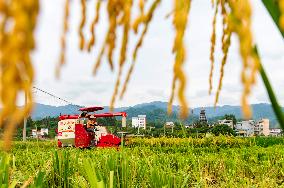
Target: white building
<point>34,133</point>
<point>39,133</point>
<point>245,128</point>
<point>228,122</point>
<point>262,127</point>
<point>43,131</point>
<point>139,121</point>
<point>275,132</point>
<point>169,124</point>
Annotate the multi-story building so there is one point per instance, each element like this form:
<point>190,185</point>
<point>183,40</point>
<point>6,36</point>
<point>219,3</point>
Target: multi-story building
<point>228,122</point>
<point>139,122</point>
<point>135,122</point>
<point>251,127</point>
<point>245,128</point>
<point>262,127</point>
<point>275,132</point>
<point>202,116</point>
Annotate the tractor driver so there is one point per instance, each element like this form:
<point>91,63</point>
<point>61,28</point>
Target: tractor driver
<point>91,124</point>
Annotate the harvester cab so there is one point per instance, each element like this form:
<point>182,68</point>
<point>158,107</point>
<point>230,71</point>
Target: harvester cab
<point>83,130</point>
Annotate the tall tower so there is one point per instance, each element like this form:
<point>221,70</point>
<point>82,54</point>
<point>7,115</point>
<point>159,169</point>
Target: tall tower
<point>202,116</point>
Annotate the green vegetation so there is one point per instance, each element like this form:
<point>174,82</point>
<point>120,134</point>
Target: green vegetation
<point>222,130</point>
<point>155,162</point>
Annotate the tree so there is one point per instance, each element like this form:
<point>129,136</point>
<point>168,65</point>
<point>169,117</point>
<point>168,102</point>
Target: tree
<point>198,124</point>
<point>222,130</point>
<point>29,122</point>
<point>178,126</point>
<point>109,121</point>
<point>158,124</point>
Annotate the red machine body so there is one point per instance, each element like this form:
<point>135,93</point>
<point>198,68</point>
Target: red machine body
<point>72,130</point>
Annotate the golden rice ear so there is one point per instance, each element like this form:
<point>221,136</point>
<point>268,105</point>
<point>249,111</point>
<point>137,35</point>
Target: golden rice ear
<point>141,6</point>
<point>114,10</point>
<point>170,103</point>
<point>16,59</point>
<point>281,19</point>
<point>225,49</point>
<point>126,28</point>
<point>99,59</point>
<point>226,42</point>
<point>212,49</point>
<point>181,12</point>
<point>62,58</point>
<point>82,24</point>
<point>137,22</point>
<point>247,113</point>
<point>148,18</point>
<point>240,19</point>
<point>91,42</point>
<point>141,18</point>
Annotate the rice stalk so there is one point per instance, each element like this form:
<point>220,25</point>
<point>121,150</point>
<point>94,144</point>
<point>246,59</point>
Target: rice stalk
<point>146,20</point>
<point>212,49</point>
<point>91,42</point>
<point>62,58</point>
<point>181,11</point>
<point>82,24</point>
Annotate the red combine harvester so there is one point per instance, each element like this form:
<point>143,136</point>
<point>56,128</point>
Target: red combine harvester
<point>83,131</point>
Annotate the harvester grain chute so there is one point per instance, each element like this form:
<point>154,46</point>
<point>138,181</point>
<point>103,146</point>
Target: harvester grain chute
<point>83,130</point>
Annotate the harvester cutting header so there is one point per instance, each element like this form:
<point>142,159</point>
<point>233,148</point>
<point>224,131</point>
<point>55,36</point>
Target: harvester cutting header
<point>84,131</point>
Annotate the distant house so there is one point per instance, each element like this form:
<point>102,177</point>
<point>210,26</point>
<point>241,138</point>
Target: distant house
<point>262,127</point>
<point>39,133</point>
<point>43,131</point>
<point>169,124</point>
<point>245,128</point>
<point>275,132</point>
<point>34,133</point>
<point>189,126</point>
<point>251,127</point>
<point>228,122</point>
<point>139,121</point>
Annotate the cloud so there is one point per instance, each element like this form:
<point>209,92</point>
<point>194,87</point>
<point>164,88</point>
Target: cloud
<point>156,93</point>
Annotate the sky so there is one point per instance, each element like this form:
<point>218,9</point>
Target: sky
<point>152,77</point>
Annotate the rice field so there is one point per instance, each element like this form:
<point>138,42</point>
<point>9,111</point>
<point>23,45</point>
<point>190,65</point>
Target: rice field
<point>154,162</point>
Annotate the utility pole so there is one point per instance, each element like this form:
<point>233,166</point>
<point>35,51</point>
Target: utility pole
<point>25,121</point>
<point>197,133</point>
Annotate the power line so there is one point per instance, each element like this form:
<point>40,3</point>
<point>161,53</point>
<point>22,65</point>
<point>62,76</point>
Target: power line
<point>54,96</point>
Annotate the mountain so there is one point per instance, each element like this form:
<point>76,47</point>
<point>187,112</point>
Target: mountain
<point>259,111</point>
<point>157,111</point>
<point>41,110</point>
<point>157,104</point>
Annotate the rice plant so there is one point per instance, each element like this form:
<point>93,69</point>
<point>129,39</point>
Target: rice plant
<point>155,162</point>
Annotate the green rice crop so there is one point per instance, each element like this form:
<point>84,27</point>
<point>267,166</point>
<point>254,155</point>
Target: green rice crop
<point>160,162</point>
